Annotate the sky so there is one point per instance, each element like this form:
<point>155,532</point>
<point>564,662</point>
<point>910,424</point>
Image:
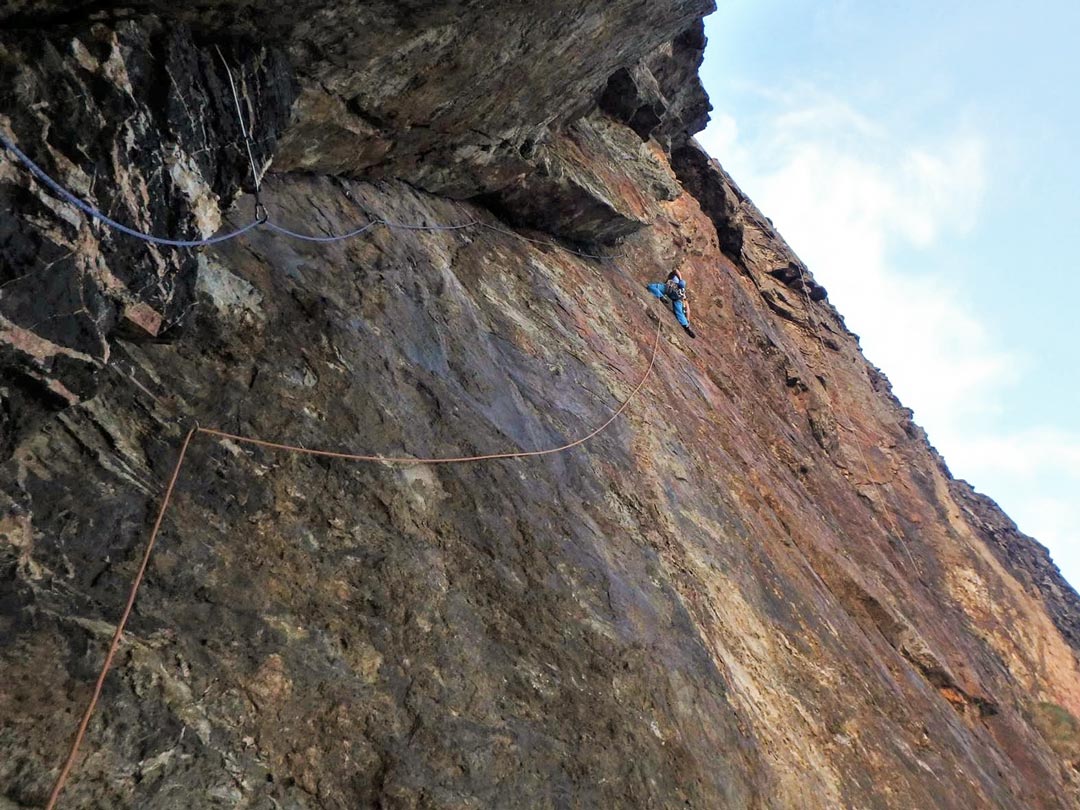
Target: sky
<point>922,159</point>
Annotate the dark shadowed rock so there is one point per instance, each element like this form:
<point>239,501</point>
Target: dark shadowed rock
<point>662,97</point>
<point>594,183</point>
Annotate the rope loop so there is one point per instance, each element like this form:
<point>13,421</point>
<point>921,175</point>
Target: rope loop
<point>193,431</point>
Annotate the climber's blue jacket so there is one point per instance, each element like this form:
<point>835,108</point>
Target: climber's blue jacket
<point>671,292</point>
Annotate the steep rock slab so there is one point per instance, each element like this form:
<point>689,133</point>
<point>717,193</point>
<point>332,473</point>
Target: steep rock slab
<point>705,606</point>
<point>454,636</point>
<point>135,113</point>
<point>761,589</point>
<point>1024,557</point>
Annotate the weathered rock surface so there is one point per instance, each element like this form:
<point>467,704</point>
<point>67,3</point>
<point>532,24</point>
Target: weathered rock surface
<point>138,119</point>
<point>595,182</point>
<point>747,237</point>
<point>759,589</point>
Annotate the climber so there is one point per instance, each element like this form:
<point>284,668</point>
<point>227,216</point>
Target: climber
<point>674,290</point>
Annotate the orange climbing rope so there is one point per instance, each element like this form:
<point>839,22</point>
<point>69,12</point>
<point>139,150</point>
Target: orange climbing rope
<point>115,644</point>
<point>69,763</point>
<point>450,459</point>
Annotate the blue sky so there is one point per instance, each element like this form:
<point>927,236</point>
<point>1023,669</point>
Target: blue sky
<point>921,157</point>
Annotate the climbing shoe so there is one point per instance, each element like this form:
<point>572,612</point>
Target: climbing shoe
<point>690,331</point>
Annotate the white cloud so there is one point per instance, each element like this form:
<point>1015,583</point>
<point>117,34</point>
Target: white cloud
<point>869,214</point>
<point>848,199</point>
<point>1026,454</point>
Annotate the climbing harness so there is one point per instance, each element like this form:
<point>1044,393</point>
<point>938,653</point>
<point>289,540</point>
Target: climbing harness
<point>676,291</point>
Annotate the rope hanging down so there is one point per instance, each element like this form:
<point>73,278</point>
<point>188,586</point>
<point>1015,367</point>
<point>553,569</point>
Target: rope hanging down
<point>449,459</point>
<point>117,637</point>
<point>244,130</point>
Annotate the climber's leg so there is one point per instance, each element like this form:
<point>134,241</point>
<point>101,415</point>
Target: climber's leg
<point>680,314</point>
<point>657,290</point>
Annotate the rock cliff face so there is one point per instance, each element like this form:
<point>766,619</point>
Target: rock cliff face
<point>761,588</point>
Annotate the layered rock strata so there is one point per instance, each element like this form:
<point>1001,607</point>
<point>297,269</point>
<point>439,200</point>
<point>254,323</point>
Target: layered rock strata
<point>761,588</point>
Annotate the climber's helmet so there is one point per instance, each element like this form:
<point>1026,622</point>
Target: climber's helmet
<point>681,284</point>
